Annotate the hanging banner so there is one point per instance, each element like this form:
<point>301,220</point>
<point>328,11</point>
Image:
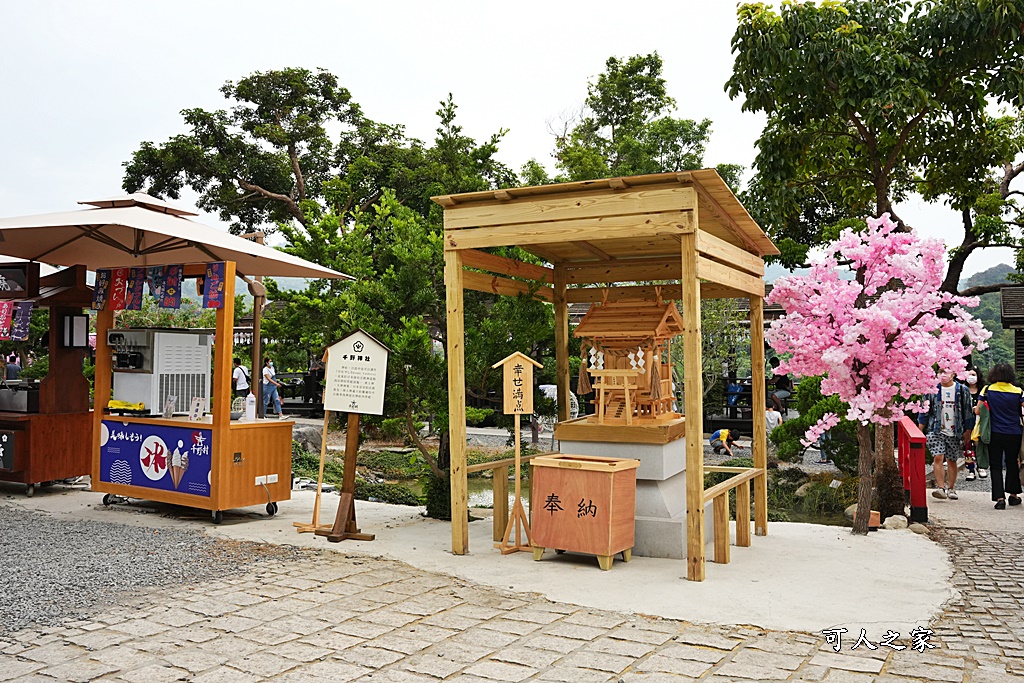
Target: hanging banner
<point>172,287</point>
<point>155,279</point>
<point>118,285</point>
<point>213,294</point>
<point>22,318</point>
<point>6,311</point>
<point>101,290</point>
<point>136,281</point>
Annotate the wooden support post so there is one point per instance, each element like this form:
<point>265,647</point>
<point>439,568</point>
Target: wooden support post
<point>101,383</point>
<point>518,518</point>
<point>500,488</point>
<point>721,506</point>
<point>561,344</point>
<point>223,352</point>
<point>693,386</point>
<point>743,515</point>
<point>315,524</point>
<point>457,401</point>
<point>760,444</point>
<point>345,521</point>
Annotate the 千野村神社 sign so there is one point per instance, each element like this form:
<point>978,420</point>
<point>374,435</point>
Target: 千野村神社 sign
<point>357,368</point>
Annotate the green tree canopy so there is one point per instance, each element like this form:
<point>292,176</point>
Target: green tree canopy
<point>624,129</point>
<point>869,101</point>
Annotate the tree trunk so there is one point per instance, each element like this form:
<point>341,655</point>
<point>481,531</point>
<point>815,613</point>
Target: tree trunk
<point>891,498</point>
<point>860,522</point>
<point>444,451</point>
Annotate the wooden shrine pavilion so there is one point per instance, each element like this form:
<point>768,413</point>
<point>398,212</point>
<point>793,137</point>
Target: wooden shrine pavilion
<point>669,236</point>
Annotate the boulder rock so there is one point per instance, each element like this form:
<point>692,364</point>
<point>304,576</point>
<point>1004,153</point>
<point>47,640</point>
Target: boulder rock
<point>918,528</point>
<point>895,522</point>
<point>308,437</point>
<point>802,491</point>
<point>850,511</point>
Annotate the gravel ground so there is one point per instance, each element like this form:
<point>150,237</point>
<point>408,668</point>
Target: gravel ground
<point>55,568</point>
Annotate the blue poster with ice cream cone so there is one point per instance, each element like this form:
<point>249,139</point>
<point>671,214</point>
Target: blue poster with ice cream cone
<point>156,456</point>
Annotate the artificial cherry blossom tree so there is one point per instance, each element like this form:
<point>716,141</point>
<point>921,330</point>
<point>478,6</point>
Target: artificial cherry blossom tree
<point>877,338</point>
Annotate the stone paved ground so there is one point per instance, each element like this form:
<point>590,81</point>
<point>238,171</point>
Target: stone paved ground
<point>337,618</point>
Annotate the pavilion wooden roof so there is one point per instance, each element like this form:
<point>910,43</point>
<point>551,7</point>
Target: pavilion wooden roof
<point>604,213</point>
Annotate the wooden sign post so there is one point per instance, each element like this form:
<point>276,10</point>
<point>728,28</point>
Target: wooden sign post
<point>518,399</point>
<point>354,383</point>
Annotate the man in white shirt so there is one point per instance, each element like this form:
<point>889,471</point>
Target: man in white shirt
<point>240,378</point>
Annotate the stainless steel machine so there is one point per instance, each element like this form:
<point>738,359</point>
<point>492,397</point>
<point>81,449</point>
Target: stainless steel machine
<point>151,365</point>
<point>19,395</point>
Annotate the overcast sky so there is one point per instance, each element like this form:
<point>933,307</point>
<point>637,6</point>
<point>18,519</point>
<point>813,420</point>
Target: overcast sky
<point>84,83</point>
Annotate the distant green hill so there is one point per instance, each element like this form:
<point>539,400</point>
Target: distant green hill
<point>1000,346</point>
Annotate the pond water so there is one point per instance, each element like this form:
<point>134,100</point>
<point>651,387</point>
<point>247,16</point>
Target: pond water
<point>481,491</point>
<point>829,519</point>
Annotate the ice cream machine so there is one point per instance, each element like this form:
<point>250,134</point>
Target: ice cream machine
<point>150,366</point>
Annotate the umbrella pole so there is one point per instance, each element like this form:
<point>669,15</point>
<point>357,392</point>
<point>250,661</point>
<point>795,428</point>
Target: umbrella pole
<point>257,317</point>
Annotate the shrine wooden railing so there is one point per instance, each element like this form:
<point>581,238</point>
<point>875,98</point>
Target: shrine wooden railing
<point>499,484</point>
<point>719,494</point>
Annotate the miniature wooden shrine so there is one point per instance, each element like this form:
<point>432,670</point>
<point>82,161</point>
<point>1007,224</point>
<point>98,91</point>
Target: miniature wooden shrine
<point>627,350</point>
<point>686,231</point>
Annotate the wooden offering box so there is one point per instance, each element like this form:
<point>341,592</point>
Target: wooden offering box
<point>584,504</point>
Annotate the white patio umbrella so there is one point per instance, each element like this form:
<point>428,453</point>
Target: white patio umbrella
<point>140,230</point>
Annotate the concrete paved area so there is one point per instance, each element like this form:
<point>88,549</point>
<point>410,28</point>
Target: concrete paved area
<point>345,613</point>
<point>801,577</point>
<point>338,618</point>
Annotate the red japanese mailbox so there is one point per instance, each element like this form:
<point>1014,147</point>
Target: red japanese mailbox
<point>912,467</point>
<point>584,504</point>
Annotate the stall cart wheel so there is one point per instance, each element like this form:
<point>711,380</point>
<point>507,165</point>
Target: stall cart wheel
<point>30,490</point>
<point>107,499</point>
<point>271,509</point>
<point>218,516</point>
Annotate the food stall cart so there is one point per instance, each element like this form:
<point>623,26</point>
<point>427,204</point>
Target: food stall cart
<point>45,425</point>
<point>213,462</point>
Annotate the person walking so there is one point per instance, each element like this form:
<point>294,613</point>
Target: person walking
<point>270,386</point>
<point>1004,401</point>
<point>241,378</point>
<point>948,422</point>
<point>772,419</point>
<point>975,458</point>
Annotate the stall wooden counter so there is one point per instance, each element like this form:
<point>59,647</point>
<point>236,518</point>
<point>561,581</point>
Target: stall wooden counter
<point>257,450</point>
<point>46,447</point>
<point>51,429</point>
<point>214,463</point>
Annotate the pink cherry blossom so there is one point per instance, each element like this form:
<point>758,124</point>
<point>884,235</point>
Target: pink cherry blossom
<point>878,338</point>
<point>827,422</point>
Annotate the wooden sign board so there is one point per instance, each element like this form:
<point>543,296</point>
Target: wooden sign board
<point>518,383</point>
<point>19,280</point>
<point>357,368</point>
